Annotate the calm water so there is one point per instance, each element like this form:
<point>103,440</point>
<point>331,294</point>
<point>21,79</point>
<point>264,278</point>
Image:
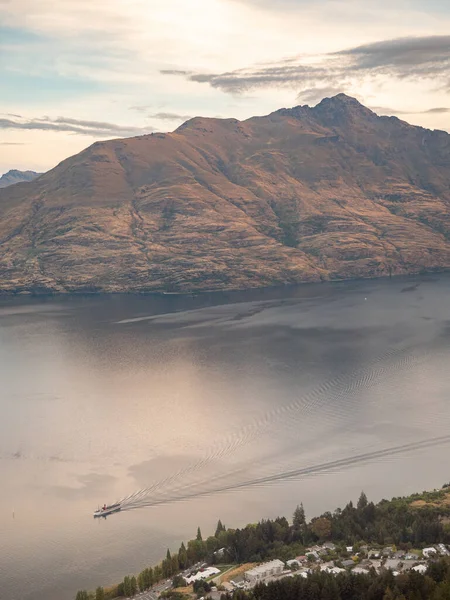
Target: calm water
<point>234,406</point>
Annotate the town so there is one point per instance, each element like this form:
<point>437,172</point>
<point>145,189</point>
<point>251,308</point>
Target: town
<point>211,581</point>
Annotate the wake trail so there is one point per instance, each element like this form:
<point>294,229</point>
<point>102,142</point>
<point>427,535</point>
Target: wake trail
<point>298,473</point>
<point>344,385</point>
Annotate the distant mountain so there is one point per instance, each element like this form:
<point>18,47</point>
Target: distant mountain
<point>15,176</point>
<point>303,194</point>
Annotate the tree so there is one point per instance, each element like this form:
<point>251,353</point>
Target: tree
<point>199,535</point>
<point>167,567</point>
<point>321,527</point>
<point>157,574</point>
<point>127,586</point>
<point>99,593</point>
<point>178,581</point>
<point>168,556</point>
<point>82,595</point>
<point>133,585</point>
<point>220,527</point>
<point>175,564</point>
<point>362,502</point>
<point>182,557</point>
<point>141,581</point>
<point>299,519</point>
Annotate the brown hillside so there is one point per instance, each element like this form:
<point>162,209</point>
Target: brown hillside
<point>303,194</point>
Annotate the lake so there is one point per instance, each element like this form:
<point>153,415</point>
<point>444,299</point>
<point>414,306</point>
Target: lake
<point>236,406</point>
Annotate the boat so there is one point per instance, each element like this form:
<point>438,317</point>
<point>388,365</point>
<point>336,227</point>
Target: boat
<point>106,510</point>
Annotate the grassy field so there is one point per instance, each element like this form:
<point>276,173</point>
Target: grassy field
<point>239,570</point>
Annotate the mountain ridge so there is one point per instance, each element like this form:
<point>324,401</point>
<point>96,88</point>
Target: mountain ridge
<point>14,176</point>
<point>302,194</point>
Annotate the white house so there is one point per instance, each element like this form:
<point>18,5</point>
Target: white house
<point>268,569</point>
<point>209,572</point>
<point>427,552</point>
<point>420,568</point>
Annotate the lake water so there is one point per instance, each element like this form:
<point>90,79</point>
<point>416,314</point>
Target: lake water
<point>234,406</point>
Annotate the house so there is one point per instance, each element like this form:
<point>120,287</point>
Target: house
<point>420,568</point>
<point>329,546</point>
<point>349,548</point>
<point>443,550</point>
<point>348,563</point>
<point>301,559</point>
<point>427,552</point>
<point>293,563</point>
<point>387,551</point>
<point>204,574</point>
<point>336,570</point>
<point>374,554</point>
<point>268,569</point>
<point>360,570</point>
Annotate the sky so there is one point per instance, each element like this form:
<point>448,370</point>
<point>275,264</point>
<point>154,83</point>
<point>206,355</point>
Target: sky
<point>76,71</point>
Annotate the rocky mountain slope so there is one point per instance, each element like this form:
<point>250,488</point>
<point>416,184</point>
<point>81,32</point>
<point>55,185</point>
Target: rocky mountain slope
<point>303,194</point>
<point>15,176</point>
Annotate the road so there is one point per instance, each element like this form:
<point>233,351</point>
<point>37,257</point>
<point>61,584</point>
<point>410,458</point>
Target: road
<point>154,593</point>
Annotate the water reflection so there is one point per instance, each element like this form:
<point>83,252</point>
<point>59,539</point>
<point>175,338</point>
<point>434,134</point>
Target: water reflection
<point>238,406</point>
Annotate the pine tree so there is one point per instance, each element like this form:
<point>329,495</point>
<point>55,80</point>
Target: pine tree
<point>199,535</point>
<point>362,502</point>
<point>127,586</point>
<point>220,527</point>
<point>82,595</point>
<point>133,585</point>
<point>182,557</point>
<point>168,556</point>
<point>141,581</point>
<point>99,593</point>
<point>299,519</point>
<point>175,564</point>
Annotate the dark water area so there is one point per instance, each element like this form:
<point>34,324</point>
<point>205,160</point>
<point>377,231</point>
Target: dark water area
<point>235,406</point>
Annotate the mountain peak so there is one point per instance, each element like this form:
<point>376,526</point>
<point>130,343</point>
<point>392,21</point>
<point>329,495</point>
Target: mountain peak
<point>16,176</point>
<point>342,108</point>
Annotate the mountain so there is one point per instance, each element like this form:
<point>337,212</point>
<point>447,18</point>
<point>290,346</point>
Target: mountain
<point>303,194</point>
<point>15,176</point>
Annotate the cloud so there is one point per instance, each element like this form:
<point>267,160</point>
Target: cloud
<point>13,144</point>
<point>98,129</point>
<point>395,111</point>
<point>175,72</point>
<point>169,116</point>
<point>437,110</point>
<point>163,116</point>
<point>403,58</point>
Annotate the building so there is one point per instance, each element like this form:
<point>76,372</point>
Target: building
<point>268,569</point>
<point>360,570</point>
<point>427,552</point>
<point>293,563</point>
<point>204,574</point>
<point>420,569</point>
